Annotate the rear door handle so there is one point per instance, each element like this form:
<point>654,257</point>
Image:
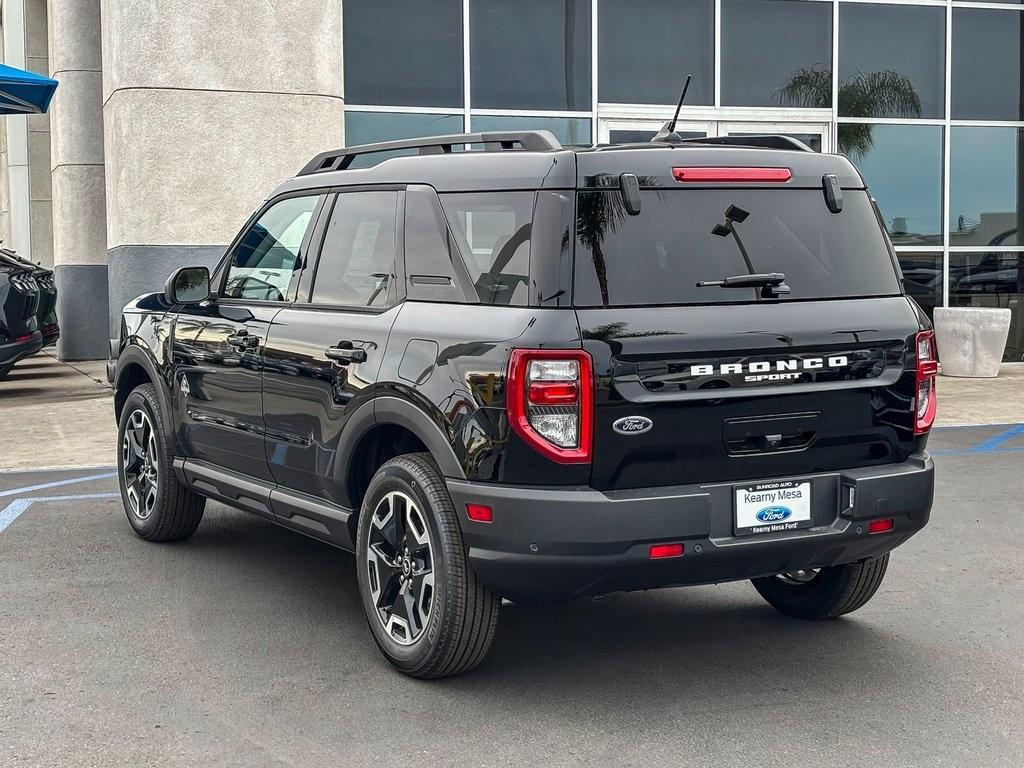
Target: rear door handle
<point>346,354</point>
<point>243,339</point>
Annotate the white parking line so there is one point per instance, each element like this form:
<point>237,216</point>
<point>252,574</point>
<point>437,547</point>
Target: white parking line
<point>12,511</point>
<point>55,483</point>
<point>64,468</point>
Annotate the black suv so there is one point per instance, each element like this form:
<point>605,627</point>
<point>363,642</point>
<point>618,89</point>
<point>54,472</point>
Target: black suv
<point>496,368</point>
<point>20,301</point>
<point>46,311</point>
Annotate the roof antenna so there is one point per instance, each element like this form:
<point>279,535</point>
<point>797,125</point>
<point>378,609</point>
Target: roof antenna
<point>668,134</point>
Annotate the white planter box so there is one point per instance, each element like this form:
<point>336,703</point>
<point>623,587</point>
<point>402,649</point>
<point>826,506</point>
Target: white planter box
<point>971,340</point>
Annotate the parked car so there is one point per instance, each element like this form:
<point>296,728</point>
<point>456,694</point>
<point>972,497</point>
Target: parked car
<point>539,373</point>
<point>46,312</point>
<point>20,336</point>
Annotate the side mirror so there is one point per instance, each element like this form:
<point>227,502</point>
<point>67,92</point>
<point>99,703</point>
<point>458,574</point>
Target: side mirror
<point>188,285</point>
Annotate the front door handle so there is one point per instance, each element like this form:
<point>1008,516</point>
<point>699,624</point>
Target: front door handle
<point>243,339</point>
<point>345,354</point>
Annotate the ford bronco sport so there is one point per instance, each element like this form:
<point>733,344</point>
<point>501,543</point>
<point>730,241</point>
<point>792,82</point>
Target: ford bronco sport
<point>494,367</point>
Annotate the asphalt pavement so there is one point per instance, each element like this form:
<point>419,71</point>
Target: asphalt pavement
<point>246,645</point>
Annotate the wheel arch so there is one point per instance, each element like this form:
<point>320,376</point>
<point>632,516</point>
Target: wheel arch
<point>381,429</point>
<point>134,367</point>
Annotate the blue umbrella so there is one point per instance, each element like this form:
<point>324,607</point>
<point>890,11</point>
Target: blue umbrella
<point>24,92</point>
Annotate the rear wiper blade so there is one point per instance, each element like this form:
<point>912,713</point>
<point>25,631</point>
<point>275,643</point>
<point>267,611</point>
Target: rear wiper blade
<point>772,284</point>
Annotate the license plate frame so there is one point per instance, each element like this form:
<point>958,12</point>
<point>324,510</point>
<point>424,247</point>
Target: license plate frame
<point>774,506</point>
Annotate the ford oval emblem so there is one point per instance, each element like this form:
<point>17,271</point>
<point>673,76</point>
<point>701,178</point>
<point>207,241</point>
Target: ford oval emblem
<point>632,425</point>
<point>774,514</point>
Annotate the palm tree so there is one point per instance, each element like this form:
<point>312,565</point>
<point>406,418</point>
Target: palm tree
<point>866,94</point>
<point>600,212</point>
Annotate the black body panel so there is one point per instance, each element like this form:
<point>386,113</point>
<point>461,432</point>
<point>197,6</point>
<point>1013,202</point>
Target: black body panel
<point>219,414</point>
<point>308,399</point>
<point>859,415</point>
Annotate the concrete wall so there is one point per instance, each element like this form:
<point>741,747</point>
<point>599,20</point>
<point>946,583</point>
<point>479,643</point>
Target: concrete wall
<point>79,191</point>
<point>206,108</point>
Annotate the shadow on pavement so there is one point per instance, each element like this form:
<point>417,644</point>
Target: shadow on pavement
<point>656,649</point>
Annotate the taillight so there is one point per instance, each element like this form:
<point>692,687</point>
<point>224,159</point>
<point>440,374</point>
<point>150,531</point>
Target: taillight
<point>927,366</point>
<point>550,402</point>
<point>709,173</point>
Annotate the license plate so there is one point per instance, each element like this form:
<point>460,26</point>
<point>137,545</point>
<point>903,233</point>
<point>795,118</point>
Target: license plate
<point>772,507</point>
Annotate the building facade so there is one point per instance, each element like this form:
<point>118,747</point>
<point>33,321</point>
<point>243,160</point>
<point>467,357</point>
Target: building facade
<point>162,144</point>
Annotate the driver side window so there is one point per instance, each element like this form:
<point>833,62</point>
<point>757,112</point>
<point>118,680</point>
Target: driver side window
<point>268,257</point>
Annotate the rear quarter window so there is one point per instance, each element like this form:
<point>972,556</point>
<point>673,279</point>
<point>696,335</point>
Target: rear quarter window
<point>682,237</point>
<point>493,232</point>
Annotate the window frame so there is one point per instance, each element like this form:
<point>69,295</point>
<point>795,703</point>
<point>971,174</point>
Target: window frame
<point>223,268</point>
<point>304,298</point>
<point>463,281</point>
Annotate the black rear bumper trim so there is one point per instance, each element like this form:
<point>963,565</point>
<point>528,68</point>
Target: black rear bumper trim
<point>558,542</point>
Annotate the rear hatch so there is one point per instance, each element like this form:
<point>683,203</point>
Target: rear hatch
<point>713,383</point>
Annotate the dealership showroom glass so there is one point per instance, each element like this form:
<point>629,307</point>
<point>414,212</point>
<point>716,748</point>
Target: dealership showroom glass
<point>925,96</point>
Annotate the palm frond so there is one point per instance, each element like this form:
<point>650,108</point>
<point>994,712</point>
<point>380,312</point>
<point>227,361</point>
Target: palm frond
<point>865,94</point>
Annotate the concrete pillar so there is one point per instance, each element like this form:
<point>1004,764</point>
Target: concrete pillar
<point>79,199</point>
<point>38,126</point>
<point>206,107</point>
<point>19,220</point>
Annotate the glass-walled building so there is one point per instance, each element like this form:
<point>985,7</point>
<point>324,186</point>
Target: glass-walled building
<point>925,96</point>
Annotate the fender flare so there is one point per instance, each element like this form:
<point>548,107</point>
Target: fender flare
<point>385,409</point>
<point>394,410</point>
<point>134,355</point>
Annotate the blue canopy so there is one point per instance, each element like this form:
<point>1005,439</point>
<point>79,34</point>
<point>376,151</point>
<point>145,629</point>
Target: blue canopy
<point>24,92</point>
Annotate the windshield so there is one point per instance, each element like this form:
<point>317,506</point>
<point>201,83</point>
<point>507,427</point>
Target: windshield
<point>683,237</point>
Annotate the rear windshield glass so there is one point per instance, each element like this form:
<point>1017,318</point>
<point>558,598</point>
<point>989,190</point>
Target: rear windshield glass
<point>682,237</point>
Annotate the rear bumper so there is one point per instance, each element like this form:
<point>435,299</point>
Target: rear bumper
<point>548,543</point>
<point>17,350</point>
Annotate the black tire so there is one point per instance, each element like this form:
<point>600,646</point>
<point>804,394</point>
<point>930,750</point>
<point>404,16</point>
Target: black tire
<point>834,591</point>
<point>455,632</point>
<point>3,373</point>
<point>172,512</point>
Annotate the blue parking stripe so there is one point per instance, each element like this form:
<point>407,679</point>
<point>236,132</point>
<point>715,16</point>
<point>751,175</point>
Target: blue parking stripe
<point>54,484</point>
<point>995,441</point>
<point>13,511</point>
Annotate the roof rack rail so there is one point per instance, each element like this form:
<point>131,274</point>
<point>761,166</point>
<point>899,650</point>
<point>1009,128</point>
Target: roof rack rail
<point>529,141</point>
<point>763,141</point>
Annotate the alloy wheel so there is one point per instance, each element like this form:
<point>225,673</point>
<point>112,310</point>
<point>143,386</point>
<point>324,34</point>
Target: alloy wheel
<point>139,462</point>
<point>400,567</point>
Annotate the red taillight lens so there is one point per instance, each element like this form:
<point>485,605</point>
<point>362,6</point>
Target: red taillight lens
<point>481,513</point>
<point>881,526</point>
<point>19,339</point>
<point>658,551</point>
<point>553,392</point>
<point>549,395</point>
<point>731,174</point>
<point>926,367</point>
